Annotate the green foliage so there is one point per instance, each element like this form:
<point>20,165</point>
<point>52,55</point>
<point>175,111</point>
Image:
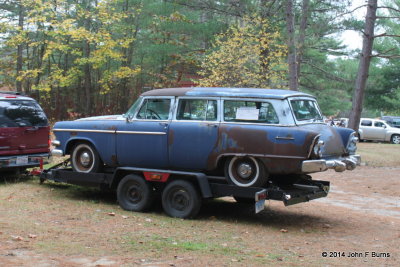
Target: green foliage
<point>93,57</point>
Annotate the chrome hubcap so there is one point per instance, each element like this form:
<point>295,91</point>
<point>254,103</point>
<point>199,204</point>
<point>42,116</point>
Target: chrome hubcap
<point>245,170</point>
<point>85,159</point>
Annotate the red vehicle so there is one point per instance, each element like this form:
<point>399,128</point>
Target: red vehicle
<point>24,133</point>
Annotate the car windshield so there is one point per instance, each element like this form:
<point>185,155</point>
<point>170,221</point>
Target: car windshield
<point>21,113</point>
<point>306,110</point>
<point>133,108</point>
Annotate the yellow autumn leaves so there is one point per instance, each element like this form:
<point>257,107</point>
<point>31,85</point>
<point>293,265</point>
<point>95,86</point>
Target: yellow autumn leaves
<point>249,54</point>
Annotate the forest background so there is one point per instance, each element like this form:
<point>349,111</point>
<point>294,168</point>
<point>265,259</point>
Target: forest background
<point>94,57</point>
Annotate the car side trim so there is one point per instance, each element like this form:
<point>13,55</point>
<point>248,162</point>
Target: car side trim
<point>139,132</point>
<point>109,131</point>
<point>84,131</point>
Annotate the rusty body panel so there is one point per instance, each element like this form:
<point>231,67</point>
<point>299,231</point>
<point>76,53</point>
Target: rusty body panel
<point>266,143</point>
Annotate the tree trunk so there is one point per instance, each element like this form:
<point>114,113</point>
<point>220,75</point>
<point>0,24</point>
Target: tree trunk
<point>18,84</point>
<point>363,67</point>
<point>293,79</point>
<point>302,34</point>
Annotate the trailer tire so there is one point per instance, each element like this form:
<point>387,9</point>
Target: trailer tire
<point>245,172</point>
<point>134,193</point>
<point>180,199</point>
<point>84,158</point>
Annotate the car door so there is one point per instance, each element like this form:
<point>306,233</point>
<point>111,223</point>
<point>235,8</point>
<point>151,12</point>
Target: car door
<point>379,131</point>
<point>367,129</point>
<point>193,133</point>
<point>142,141</point>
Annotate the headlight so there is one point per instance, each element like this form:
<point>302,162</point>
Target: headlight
<point>316,150</point>
<point>352,144</point>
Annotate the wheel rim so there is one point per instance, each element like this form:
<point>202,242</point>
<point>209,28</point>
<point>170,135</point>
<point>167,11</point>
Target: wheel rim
<point>133,194</point>
<point>396,139</point>
<point>243,171</point>
<point>179,199</point>
<point>83,159</point>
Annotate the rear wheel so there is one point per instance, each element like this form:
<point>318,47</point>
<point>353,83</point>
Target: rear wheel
<point>395,139</point>
<point>84,158</point>
<point>245,172</point>
<point>134,193</point>
<point>181,199</point>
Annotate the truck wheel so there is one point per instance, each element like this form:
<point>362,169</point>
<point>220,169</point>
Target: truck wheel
<point>395,139</point>
<point>180,199</point>
<point>84,158</point>
<point>245,172</point>
<point>134,193</point>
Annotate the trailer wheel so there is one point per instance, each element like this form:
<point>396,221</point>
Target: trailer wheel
<point>245,172</point>
<point>84,158</point>
<point>181,199</point>
<point>134,193</point>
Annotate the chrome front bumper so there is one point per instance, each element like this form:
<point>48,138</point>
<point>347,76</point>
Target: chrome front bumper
<point>57,153</point>
<point>339,164</point>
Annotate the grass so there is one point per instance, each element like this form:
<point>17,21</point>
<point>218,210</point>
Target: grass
<point>379,154</point>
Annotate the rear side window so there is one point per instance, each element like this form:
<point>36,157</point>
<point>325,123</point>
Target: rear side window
<point>249,111</point>
<point>305,110</point>
<point>21,113</point>
<point>378,124</point>
<point>366,123</point>
<point>197,109</point>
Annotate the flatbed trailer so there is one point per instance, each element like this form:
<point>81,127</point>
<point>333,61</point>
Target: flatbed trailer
<point>182,192</point>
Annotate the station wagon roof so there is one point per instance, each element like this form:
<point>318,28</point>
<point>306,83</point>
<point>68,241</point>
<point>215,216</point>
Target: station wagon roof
<point>226,92</point>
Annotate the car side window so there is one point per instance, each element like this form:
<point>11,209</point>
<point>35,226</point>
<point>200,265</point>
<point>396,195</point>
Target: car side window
<point>197,109</point>
<point>154,109</point>
<point>249,111</point>
<point>378,124</point>
<point>366,123</point>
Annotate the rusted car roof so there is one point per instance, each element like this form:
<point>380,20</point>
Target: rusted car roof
<point>225,92</point>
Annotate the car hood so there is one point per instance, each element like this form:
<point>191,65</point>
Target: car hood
<point>335,139</point>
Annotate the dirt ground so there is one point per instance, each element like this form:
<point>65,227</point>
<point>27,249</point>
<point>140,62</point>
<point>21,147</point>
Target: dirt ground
<point>60,225</point>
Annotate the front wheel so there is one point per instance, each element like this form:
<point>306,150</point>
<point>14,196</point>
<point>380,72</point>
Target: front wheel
<point>245,172</point>
<point>395,139</point>
<point>134,193</point>
<point>180,199</point>
<point>84,158</point>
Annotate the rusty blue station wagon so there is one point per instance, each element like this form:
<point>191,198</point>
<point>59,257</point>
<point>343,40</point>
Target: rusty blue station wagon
<point>248,136</point>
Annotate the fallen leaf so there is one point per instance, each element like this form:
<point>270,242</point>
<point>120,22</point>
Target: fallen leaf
<point>32,236</point>
<point>124,217</point>
<point>111,213</point>
<point>283,230</point>
<point>260,256</point>
<point>148,220</point>
<point>17,238</point>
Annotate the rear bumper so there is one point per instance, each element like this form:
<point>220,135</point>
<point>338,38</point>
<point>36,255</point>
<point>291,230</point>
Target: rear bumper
<point>339,164</point>
<point>25,161</point>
